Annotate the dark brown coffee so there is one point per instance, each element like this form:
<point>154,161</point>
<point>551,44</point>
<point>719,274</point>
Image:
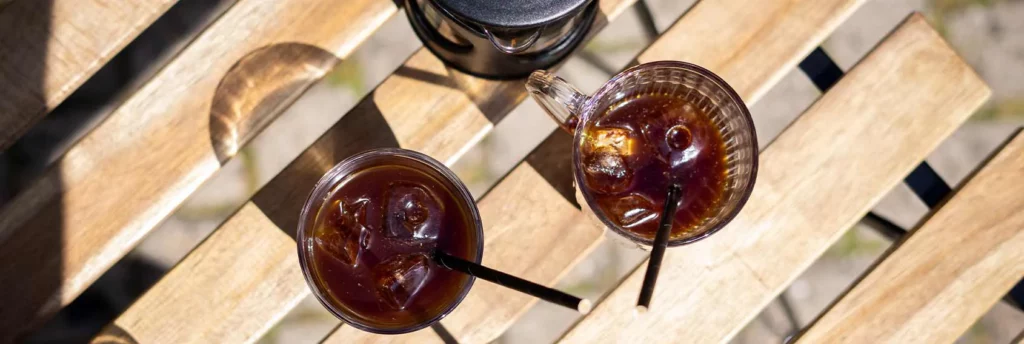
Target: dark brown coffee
<point>639,146</point>
<point>373,240</point>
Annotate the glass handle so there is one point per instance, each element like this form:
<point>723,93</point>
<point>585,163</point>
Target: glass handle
<point>558,98</point>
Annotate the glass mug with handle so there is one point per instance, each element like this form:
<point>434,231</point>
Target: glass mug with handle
<point>651,126</point>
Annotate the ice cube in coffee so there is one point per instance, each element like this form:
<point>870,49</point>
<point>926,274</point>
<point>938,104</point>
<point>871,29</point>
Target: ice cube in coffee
<point>369,257</point>
<point>633,150</point>
<point>651,126</point>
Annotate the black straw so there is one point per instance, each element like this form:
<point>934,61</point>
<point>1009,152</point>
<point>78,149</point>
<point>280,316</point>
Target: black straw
<point>658,250</point>
<point>512,282</point>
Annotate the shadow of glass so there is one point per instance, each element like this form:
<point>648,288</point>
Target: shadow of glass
<point>363,128</point>
<point>31,240</point>
<point>258,88</point>
<point>552,159</point>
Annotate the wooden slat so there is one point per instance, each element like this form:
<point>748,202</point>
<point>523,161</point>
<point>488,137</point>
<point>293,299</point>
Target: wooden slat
<point>48,48</point>
<point>128,174</point>
<point>419,107</point>
<point>530,249</point>
<point>735,35</point>
<point>522,244</point>
<point>522,211</point>
<point>815,181</point>
<point>948,273</point>
<point>468,323</point>
<point>205,317</point>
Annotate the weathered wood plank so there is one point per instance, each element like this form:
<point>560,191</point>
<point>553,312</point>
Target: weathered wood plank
<point>49,48</point>
<point>135,168</point>
<point>815,181</point>
<point>249,243</point>
<point>424,106</point>
<point>526,206</point>
<point>540,246</point>
<point>948,273</point>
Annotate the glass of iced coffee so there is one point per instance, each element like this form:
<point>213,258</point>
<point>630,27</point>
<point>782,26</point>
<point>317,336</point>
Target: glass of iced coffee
<point>650,127</point>
<point>367,234</point>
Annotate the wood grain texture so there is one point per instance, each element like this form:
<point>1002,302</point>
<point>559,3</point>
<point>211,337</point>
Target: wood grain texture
<point>424,106</point>
<point>534,245</point>
<point>948,273</point>
<point>233,308</point>
<point>527,207</point>
<point>117,183</point>
<point>48,48</point>
<point>815,181</point>
<point>540,245</point>
<point>733,35</point>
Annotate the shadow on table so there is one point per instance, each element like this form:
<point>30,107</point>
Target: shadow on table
<point>31,248</point>
<point>31,244</point>
<point>363,128</point>
<point>552,159</point>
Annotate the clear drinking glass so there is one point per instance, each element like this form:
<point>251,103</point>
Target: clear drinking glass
<point>470,239</point>
<point>574,111</point>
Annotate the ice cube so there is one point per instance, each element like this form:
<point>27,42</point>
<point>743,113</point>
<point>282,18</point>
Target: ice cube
<point>620,141</point>
<point>341,246</point>
<point>347,215</point>
<point>607,172</point>
<point>634,210</point>
<point>412,212</point>
<point>343,229</point>
<point>400,277</point>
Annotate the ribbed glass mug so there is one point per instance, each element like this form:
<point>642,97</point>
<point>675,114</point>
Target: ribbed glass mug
<point>575,112</point>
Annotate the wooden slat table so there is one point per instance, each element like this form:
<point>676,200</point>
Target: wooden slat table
<point>123,178</point>
<point>522,209</point>
<point>49,48</point>
<point>392,115</point>
<point>921,293</point>
<point>819,177</point>
<point>816,179</point>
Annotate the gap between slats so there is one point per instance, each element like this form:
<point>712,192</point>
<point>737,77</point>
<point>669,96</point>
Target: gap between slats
<point>933,285</point>
<point>394,114</point>
<point>48,48</point>
<point>479,319</point>
<point>914,91</point>
<point>112,187</point>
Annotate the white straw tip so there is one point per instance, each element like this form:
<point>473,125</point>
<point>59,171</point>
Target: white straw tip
<point>585,306</point>
<point>639,311</point>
